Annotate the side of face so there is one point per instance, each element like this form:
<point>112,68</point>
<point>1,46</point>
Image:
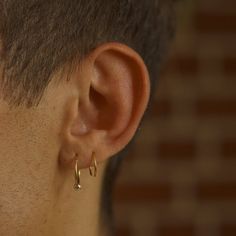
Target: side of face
<point>98,110</point>
<point>29,147</point>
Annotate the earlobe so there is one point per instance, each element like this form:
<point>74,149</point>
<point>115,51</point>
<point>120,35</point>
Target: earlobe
<point>114,97</point>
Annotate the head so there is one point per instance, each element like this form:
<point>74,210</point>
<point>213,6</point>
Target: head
<point>75,78</point>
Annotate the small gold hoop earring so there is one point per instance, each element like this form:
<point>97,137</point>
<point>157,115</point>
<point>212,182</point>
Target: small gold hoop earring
<point>93,166</point>
<point>77,185</point>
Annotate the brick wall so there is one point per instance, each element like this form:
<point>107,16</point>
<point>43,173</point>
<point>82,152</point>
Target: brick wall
<point>180,177</point>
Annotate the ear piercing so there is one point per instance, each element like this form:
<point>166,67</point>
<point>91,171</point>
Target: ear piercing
<point>92,171</point>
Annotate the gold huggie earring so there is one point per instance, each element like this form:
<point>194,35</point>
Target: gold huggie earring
<point>77,185</point>
<point>94,166</point>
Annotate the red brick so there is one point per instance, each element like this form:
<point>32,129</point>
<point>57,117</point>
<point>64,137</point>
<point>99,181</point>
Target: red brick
<point>124,231</point>
<point>176,230</point>
<point>142,193</point>
<point>228,230</point>
<point>217,6</point>
<point>182,64</point>
<point>161,108</point>
<point>229,66</point>
<point>211,22</point>
<point>214,107</point>
<point>179,150</point>
<point>217,191</point>
<point>228,149</point>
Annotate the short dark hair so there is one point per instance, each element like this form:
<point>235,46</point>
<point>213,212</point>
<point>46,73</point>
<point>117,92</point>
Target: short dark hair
<point>40,37</point>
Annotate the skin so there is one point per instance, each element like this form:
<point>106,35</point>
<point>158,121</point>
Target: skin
<point>97,110</point>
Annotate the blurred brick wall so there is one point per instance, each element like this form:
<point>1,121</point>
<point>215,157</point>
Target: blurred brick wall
<point>180,177</point>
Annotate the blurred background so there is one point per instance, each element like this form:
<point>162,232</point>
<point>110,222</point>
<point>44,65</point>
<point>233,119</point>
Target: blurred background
<point>179,179</point>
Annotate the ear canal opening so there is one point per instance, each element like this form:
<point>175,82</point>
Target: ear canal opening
<point>96,98</point>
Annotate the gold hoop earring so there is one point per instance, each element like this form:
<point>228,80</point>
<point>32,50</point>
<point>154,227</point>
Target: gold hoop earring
<point>77,185</point>
<point>93,166</point>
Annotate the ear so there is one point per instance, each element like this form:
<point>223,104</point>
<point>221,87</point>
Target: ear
<point>113,92</point>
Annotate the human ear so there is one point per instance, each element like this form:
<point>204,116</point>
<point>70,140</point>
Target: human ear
<point>113,92</point>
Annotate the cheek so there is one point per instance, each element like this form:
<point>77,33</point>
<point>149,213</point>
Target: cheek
<point>27,180</point>
<point>23,207</point>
